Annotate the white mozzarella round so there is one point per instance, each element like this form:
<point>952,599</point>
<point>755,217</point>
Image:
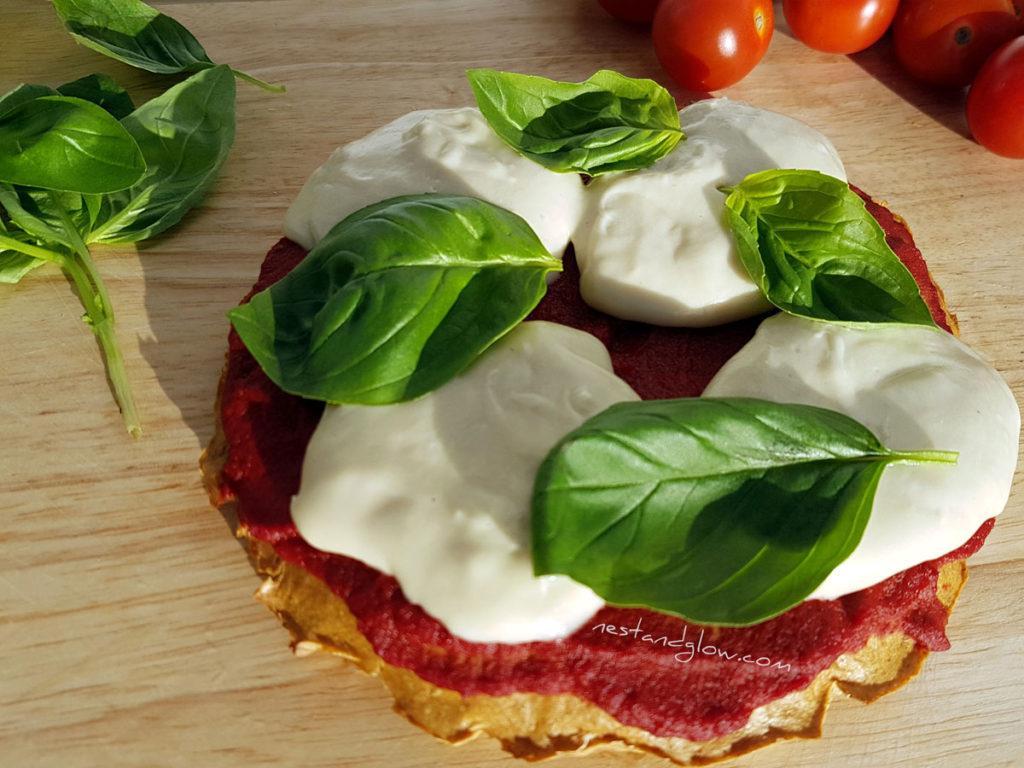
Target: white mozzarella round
<point>449,151</point>
<point>653,244</point>
<point>436,491</point>
<point>915,388</point>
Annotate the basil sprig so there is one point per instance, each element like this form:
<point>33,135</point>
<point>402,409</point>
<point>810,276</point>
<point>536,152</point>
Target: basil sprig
<point>139,35</point>
<point>723,511</point>
<point>607,123</point>
<point>176,143</point>
<point>397,299</point>
<point>809,242</point>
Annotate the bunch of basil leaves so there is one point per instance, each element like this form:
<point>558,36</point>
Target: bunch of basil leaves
<point>81,165</point>
<point>724,511</point>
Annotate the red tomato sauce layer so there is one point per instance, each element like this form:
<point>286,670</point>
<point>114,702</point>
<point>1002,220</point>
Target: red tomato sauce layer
<point>650,670</point>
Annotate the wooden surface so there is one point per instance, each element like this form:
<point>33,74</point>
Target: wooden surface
<point>128,632</point>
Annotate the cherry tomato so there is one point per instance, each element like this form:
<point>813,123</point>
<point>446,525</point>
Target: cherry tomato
<point>839,26</point>
<point>945,42</point>
<point>633,11</point>
<point>710,44</point>
<point>995,103</point>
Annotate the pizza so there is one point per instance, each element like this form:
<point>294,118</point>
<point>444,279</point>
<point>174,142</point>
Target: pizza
<point>461,657</point>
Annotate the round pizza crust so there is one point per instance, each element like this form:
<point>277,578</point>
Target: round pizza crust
<point>536,726</point>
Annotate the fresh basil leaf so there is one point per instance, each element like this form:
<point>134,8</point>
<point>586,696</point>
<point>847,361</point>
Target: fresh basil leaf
<point>22,94</point>
<point>185,135</point>
<point>25,211</point>
<point>396,300</point>
<point>724,511</point>
<point>138,34</point>
<point>14,264</point>
<point>92,205</point>
<point>809,242</point>
<point>134,33</point>
<point>41,213</point>
<point>58,142</point>
<point>607,123</point>
<point>102,90</point>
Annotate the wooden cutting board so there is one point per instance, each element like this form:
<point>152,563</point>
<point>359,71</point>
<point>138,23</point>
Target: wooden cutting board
<point>128,632</point>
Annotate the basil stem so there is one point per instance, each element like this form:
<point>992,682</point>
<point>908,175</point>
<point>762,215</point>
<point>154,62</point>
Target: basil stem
<point>30,250</point>
<point>257,82</point>
<point>78,265</point>
<point>100,318</point>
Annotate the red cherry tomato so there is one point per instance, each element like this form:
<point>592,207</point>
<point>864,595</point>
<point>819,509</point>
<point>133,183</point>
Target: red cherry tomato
<point>633,11</point>
<point>945,42</point>
<point>995,103</point>
<point>839,26</point>
<point>710,44</point>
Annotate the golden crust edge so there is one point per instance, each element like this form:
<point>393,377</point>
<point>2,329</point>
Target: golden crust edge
<point>536,726</point>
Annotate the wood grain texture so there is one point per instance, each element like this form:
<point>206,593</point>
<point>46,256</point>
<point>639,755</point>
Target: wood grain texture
<point>128,630</point>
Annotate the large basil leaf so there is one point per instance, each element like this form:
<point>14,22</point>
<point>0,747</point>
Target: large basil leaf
<point>133,32</point>
<point>397,299</point>
<point>59,142</point>
<point>724,511</point>
<point>607,123</point>
<point>102,90</point>
<point>809,242</point>
<point>185,135</point>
